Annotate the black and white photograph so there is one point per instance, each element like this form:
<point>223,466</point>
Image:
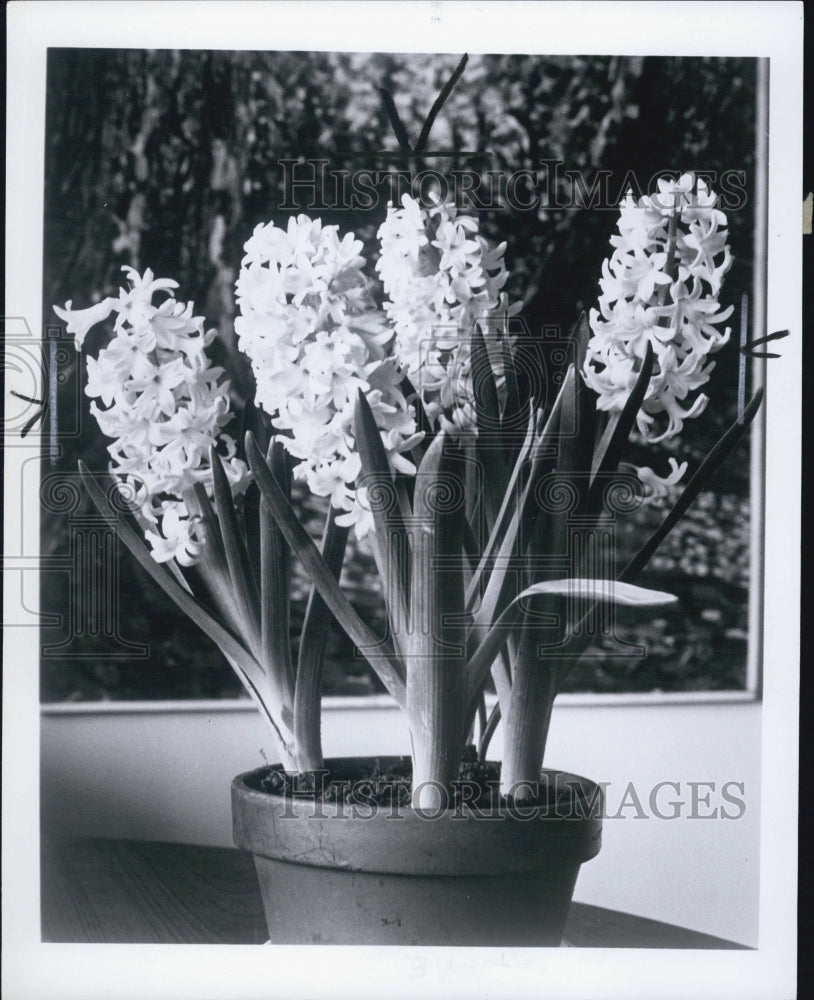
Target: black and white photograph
<point>402,534</point>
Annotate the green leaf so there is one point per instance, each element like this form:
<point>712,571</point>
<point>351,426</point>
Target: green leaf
<point>573,433</point>
<point>439,102</point>
<point>211,570</point>
<point>315,630</point>
<point>581,335</point>
<point>240,658</point>
<point>422,421</point>
<point>237,558</point>
<point>399,130</point>
<point>489,448</point>
<point>281,729</point>
<point>614,591</point>
<point>275,586</point>
<point>437,572</point>
<point>581,452</point>
<point>385,663</point>
<point>387,517</point>
<point>507,510</point>
<point>201,505</point>
<point>251,531</point>
<point>252,419</point>
<point>703,475</point>
<point>488,731</point>
<point>435,644</point>
<point>614,441</point>
<point>487,405</point>
<point>513,406</point>
<point>525,514</point>
<point>186,602</point>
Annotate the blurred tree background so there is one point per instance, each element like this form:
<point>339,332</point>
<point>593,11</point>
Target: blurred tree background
<point>169,159</point>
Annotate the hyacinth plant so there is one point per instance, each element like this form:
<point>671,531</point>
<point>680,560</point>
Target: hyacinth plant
<point>399,401</point>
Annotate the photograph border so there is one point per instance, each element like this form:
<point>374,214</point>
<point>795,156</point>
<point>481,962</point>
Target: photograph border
<point>32,969</point>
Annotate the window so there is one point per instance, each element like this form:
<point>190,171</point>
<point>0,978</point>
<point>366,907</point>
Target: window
<point>169,159</point>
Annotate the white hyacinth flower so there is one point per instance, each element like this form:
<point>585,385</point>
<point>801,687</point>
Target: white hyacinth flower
<point>163,404</point>
<point>660,286</point>
<point>310,327</point>
<point>657,487</point>
<point>440,276</point>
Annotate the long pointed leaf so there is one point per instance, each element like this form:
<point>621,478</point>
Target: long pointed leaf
<point>252,419</point>
<point>581,451</point>
<point>581,335</point>
<point>528,716</point>
<point>384,662</point>
<point>439,102</point>
<point>482,718</point>
<point>251,532</point>
<point>397,124</point>
<point>488,731</point>
<point>702,476</point>
<point>502,676</point>
<point>573,433</point>
<point>513,406</point>
<point>230,646</point>
<point>544,454</point>
<point>387,520</point>
<point>275,587</point>
<point>503,515</point>
<point>423,425</point>
<point>237,557</point>
<point>489,447</point>
<point>523,519</point>
<point>240,658</point>
<point>490,646</point>
<point>280,729</point>
<point>211,568</point>
<point>214,541</point>
<point>617,592</point>
<point>612,443</point>
<point>487,405</point>
<point>438,543</point>
<point>315,630</point>
<point>436,679</point>
<point>470,544</point>
<point>404,495</point>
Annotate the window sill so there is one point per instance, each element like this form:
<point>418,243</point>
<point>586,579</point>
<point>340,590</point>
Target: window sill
<point>381,702</point>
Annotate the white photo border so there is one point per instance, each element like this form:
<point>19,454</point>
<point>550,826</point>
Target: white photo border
<point>35,970</point>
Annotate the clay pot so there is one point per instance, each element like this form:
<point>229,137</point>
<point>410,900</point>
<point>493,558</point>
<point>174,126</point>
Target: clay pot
<point>334,873</point>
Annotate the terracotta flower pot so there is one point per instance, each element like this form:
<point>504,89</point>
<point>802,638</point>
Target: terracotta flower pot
<point>336,874</point>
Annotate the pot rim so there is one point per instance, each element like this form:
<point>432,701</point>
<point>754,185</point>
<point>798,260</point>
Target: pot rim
<point>400,840</point>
